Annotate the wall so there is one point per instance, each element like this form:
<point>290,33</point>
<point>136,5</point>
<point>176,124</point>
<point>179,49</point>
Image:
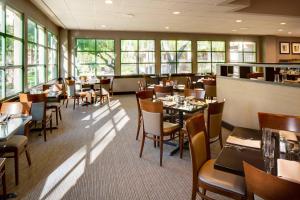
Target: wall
<point>244,99</point>
<point>157,36</point>
<point>270,49</point>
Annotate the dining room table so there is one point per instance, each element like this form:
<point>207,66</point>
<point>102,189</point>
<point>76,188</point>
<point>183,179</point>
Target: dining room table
<point>181,105</point>
<point>244,144</point>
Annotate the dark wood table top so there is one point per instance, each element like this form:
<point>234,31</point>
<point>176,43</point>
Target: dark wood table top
<point>231,157</point>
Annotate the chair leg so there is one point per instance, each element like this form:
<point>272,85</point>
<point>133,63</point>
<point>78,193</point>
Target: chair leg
<point>56,115</point>
<point>45,131</point>
<point>67,102</point>
<point>161,149</point>
<point>74,103</point>
<point>16,156</point>
<point>4,182</point>
<point>139,127</point>
<point>27,155</point>
<point>154,141</point>
<point>194,193</point>
<point>59,112</point>
<point>181,136</point>
<point>220,139</point>
<point>142,145</point>
<point>51,125</point>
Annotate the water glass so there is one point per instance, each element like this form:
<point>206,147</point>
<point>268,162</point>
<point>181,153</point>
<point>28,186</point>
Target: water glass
<point>267,142</point>
<point>276,78</point>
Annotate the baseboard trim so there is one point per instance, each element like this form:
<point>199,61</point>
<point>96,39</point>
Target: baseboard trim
<point>122,93</point>
<point>227,125</point>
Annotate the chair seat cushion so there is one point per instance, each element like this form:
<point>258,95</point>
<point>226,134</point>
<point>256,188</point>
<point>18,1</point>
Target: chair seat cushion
<point>220,179</point>
<point>169,128</point>
<point>15,142</point>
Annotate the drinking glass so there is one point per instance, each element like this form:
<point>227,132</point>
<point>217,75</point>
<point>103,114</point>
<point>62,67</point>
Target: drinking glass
<point>266,141</point>
<point>276,78</point>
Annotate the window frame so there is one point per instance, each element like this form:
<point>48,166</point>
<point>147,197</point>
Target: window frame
<point>95,51</point>
<point>137,63</point>
<point>49,49</point>
<point>176,55</point>
<point>6,66</point>
<point>211,54</point>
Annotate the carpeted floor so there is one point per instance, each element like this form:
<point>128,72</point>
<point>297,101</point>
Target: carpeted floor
<point>94,155</point>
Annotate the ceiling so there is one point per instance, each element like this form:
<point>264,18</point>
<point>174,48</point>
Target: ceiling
<point>196,16</point>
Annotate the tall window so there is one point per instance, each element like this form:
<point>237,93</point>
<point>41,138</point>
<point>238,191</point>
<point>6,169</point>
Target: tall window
<point>176,56</point>
<point>242,51</point>
<point>137,57</point>
<point>209,54</point>
<point>36,58</point>
<point>95,57</point>
<point>52,56</point>
<point>11,51</point>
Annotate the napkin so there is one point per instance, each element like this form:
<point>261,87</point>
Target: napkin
<point>289,170</point>
<point>197,103</point>
<point>169,103</point>
<point>288,135</point>
<point>244,142</point>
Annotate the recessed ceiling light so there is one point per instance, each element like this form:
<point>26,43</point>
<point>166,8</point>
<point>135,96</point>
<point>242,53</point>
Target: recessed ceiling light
<point>289,33</point>
<point>167,27</point>
<point>233,30</point>
<point>176,13</point>
<point>243,28</point>
<point>238,21</point>
<point>282,23</point>
<point>280,30</point>
<point>108,1</point>
<point>103,26</point>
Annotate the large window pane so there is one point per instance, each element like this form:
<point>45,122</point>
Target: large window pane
<point>168,57</point>
<point>105,45</point>
<point>41,36</point>
<point>13,81</point>
<point>13,51</point>
<point>32,31</point>
<point>184,68</point>
<point>2,84</point>
<point>146,45</point>
<point>41,54</point>
<point>184,56</point>
<point>249,57</point>
<point>204,56</point>
<point>204,46</point>
<point>86,45</point>
<point>236,57</point>
<point>104,70</point>
<point>168,45</point>
<point>147,57</point>
<point>249,47</point>
<point>129,45</point>
<point>184,45</point>
<point>32,54</point>
<point>242,51</point>
<point>129,69</point>
<point>13,23</point>
<point>218,45</point>
<point>168,68</point>
<point>129,57</point>
<point>218,57</point>
<point>2,18</point>
<point>147,68</point>
<point>236,46</point>
<point>2,50</point>
<point>52,72</point>
<point>85,57</point>
<point>204,68</point>
<point>31,77</point>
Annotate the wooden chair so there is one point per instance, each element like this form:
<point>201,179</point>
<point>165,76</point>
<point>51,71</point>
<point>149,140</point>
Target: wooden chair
<point>17,144</point>
<point>39,110</point>
<point>72,94</point>
<point>100,93</point>
<point>54,106</point>
<point>279,122</point>
<point>142,85</point>
<point>2,175</point>
<point>152,116</point>
<point>268,186</point>
<point>199,94</point>
<point>107,85</point>
<point>204,174</point>
<point>145,94</point>
<point>210,88</point>
<point>214,121</point>
<point>162,91</point>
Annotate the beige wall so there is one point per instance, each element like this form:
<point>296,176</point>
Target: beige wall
<point>270,49</point>
<point>119,35</point>
<point>244,99</point>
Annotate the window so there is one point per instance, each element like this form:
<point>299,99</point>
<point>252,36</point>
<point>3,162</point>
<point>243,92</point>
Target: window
<point>52,57</point>
<point>11,51</point>
<point>94,57</point>
<point>209,54</point>
<point>137,57</point>
<point>36,56</point>
<point>176,56</point>
<point>242,51</point>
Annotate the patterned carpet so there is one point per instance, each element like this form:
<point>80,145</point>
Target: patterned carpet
<point>94,155</point>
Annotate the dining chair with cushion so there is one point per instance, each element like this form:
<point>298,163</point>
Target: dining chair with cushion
<point>162,91</point>
<point>154,128</point>
<point>198,94</point>
<point>100,93</point>
<point>107,85</point>
<point>277,188</point>
<point>55,106</point>
<point>214,121</point>
<point>72,93</point>
<point>205,176</point>
<point>145,94</point>
<point>279,122</point>
<point>17,144</point>
<point>39,112</point>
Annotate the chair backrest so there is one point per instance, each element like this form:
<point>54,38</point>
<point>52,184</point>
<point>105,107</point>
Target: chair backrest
<point>277,188</point>
<point>34,98</point>
<point>279,122</point>
<point>142,85</point>
<point>198,141</point>
<point>199,94</point>
<point>97,86</point>
<point>38,111</point>
<point>145,94</point>
<point>214,118</point>
<point>15,108</point>
<point>83,78</point>
<point>105,84</point>
<point>70,88</point>
<point>46,87</point>
<point>162,91</point>
<point>210,88</point>
<point>152,113</point>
